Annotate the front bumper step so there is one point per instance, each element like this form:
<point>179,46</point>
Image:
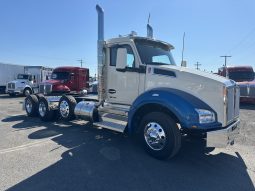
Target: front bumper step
<point>223,137</point>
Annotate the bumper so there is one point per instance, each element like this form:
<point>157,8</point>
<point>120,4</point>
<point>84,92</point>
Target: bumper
<point>223,137</point>
<point>14,91</point>
<point>247,99</point>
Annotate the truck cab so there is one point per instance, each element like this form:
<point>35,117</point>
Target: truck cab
<point>22,85</point>
<point>244,77</point>
<point>66,80</point>
<point>28,82</point>
<point>139,70</point>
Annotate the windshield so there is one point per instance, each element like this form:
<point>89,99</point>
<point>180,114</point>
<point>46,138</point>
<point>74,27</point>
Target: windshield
<point>155,53</point>
<point>60,76</point>
<point>240,76</point>
<point>22,76</point>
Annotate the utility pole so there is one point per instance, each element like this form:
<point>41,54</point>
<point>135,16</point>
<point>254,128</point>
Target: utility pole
<point>197,65</point>
<point>81,61</point>
<point>225,64</point>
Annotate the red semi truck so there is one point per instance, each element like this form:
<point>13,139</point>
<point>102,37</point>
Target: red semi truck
<point>66,80</point>
<point>244,76</point>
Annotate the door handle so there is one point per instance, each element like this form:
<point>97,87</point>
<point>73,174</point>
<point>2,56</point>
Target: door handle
<point>112,91</point>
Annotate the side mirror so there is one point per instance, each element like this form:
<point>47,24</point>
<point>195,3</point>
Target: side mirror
<point>121,58</point>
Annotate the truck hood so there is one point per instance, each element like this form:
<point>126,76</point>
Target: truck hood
<point>53,82</point>
<point>207,87</point>
<point>201,74</point>
<point>18,81</point>
<point>246,83</point>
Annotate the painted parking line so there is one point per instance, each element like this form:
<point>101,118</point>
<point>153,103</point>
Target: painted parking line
<point>26,146</point>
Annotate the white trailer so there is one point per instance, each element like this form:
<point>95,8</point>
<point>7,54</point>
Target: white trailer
<point>9,72</point>
<point>28,81</point>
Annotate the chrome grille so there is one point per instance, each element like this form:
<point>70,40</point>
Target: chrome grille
<point>11,85</point>
<point>247,91</point>
<point>243,91</point>
<point>233,93</point>
<point>41,88</point>
<point>252,91</point>
<point>45,88</point>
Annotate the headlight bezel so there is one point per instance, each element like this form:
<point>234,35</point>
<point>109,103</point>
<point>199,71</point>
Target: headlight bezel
<point>205,116</point>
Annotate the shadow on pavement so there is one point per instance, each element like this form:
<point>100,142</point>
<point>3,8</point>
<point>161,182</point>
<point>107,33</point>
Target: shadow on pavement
<point>99,159</point>
<point>16,118</point>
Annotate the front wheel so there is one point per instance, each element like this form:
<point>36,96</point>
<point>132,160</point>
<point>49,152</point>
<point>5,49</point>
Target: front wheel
<point>160,135</point>
<point>27,92</point>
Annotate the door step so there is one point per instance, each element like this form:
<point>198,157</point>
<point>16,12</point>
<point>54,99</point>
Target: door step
<point>112,122</point>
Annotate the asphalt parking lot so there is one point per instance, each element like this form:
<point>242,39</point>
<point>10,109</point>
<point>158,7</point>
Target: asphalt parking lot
<point>35,155</point>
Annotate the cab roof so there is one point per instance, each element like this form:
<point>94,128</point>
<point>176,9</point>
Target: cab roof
<point>133,38</point>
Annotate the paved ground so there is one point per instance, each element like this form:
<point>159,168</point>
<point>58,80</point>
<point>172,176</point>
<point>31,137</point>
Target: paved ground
<point>74,156</point>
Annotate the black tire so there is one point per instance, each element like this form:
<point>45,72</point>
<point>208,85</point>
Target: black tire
<point>33,102</point>
<point>27,92</point>
<point>39,95</point>
<point>44,111</point>
<point>166,130</point>
<point>66,108</point>
<point>12,94</point>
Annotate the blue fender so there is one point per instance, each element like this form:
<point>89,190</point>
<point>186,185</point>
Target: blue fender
<point>179,103</point>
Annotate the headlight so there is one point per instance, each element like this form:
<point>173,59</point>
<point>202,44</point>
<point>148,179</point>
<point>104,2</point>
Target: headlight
<point>205,116</point>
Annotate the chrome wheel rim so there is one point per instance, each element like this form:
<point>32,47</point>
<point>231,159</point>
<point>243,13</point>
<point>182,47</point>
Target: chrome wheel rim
<point>29,105</point>
<point>64,109</point>
<point>42,109</point>
<point>155,136</point>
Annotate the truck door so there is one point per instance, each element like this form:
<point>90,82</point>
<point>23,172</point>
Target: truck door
<point>73,80</point>
<point>81,79</point>
<point>122,86</point>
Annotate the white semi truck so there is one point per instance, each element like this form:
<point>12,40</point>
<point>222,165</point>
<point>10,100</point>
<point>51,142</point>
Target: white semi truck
<point>142,92</point>
<point>28,81</point>
<point>8,72</point>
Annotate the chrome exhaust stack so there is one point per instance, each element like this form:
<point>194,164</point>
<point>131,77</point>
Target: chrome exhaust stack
<point>88,110</point>
<point>100,53</point>
<point>149,28</point>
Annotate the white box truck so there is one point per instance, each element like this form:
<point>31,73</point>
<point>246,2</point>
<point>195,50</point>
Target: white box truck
<point>8,72</point>
<point>28,81</point>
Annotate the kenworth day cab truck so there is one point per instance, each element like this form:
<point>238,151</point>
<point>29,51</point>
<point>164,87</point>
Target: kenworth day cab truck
<point>244,77</point>
<point>66,80</point>
<point>28,81</point>
<point>142,92</point>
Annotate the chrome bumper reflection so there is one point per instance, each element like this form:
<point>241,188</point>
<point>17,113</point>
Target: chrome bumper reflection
<point>222,138</point>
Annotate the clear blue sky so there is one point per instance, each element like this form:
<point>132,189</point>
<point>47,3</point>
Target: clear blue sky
<point>59,32</point>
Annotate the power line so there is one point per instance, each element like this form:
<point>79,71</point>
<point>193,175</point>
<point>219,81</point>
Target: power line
<point>242,41</point>
<point>225,64</point>
<point>197,65</point>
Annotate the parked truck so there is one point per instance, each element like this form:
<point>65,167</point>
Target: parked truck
<point>8,72</point>
<point>244,77</point>
<point>66,80</point>
<point>28,81</point>
<point>142,92</point>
